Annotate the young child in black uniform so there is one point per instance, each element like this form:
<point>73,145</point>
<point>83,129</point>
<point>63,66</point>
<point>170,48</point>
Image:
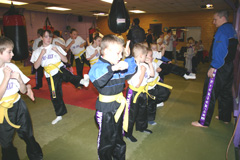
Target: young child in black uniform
<point>51,57</point>
<point>13,110</point>
<point>136,92</point>
<point>108,75</point>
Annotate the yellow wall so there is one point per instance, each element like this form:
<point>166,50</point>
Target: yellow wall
<point>201,19</point>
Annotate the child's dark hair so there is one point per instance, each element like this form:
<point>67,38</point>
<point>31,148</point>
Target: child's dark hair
<point>49,32</point>
<point>56,32</point>
<point>40,31</point>
<point>72,30</point>
<point>110,39</point>
<point>4,43</point>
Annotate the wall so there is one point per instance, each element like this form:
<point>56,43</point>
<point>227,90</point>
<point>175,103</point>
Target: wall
<point>35,20</point>
<point>201,19</point>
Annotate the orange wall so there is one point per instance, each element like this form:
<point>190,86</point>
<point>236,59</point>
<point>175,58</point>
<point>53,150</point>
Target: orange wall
<point>201,19</point>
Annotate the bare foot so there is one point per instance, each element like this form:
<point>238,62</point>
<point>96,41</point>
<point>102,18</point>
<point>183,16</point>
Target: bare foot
<point>196,124</point>
<point>217,117</point>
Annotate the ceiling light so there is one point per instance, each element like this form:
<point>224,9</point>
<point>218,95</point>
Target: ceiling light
<point>14,2</point>
<point>209,6</point>
<point>137,11</point>
<point>100,14</point>
<point>58,8</point>
<point>110,1</point>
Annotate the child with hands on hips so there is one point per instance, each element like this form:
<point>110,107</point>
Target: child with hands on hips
<point>136,92</point>
<point>14,114</point>
<point>51,57</point>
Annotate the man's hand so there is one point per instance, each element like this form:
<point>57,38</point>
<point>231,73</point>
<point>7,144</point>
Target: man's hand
<point>210,72</point>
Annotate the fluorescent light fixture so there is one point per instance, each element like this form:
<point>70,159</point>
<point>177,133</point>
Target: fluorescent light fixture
<point>110,1</point>
<point>100,14</point>
<point>58,8</point>
<point>209,6</point>
<point>14,2</point>
<point>137,11</point>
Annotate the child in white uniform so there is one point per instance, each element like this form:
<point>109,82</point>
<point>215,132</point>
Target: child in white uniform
<point>13,110</point>
<point>77,45</point>
<point>93,51</point>
<point>50,57</point>
<point>136,95</point>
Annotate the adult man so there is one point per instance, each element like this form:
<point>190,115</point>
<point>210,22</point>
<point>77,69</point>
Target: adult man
<point>149,37</point>
<point>168,40</point>
<point>136,34</point>
<point>219,78</point>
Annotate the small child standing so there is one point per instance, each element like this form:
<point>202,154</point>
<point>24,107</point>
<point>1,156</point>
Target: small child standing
<point>160,91</point>
<point>93,51</point>
<point>108,75</point>
<point>50,57</point>
<point>136,92</point>
<point>189,54</point>
<point>13,110</point>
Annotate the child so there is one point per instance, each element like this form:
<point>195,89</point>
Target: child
<point>50,56</point>
<point>57,40</point>
<point>160,93</point>
<point>93,51</point>
<point>13,110</point>
<point>167,67</point>
<point>77,45</point>
<point>136,93</point>
<point>108,75</point>
<point>189,54</point>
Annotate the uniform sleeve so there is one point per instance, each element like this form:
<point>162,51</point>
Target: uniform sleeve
<point>100,75</point>
<point>68,42</point>
<point>88,52</point>
<point>220,49</point>
<point>34,56</point>
<point>132,67</point>
<point>24,78</point>
<point>61,50</point>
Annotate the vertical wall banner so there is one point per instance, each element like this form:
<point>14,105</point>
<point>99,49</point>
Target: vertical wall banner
<point>118,19</point>
<point>14,27</point>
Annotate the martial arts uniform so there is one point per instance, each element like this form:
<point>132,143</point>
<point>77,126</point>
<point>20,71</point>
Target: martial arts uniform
<point>110,84</point>
<point>19,119</point>
<point>219,87</point>
<point>59,74</point>
<point>90,51</point>
<point>78,53</point>
<point>137,106</point>
<point>159,92</point>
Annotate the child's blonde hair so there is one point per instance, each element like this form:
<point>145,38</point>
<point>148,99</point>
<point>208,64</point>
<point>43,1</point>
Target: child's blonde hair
<point>108,40</point>
<point>139,49</point>
<point>4,43</point>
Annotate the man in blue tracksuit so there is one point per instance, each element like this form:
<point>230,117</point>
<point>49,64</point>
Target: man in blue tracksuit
<point>218,83</point>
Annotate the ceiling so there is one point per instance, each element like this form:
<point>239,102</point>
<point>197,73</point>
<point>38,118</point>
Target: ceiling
<point>87,7</point>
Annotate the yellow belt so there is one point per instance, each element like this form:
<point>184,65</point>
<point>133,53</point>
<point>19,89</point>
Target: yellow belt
<point>48,69</point>
<point>155,60</point>
<point>79,54</point>
<point>120,99</point>
<point>141,89</point>
<point>7,102</point>
<point>158,83</point>
<point>93,61</point>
